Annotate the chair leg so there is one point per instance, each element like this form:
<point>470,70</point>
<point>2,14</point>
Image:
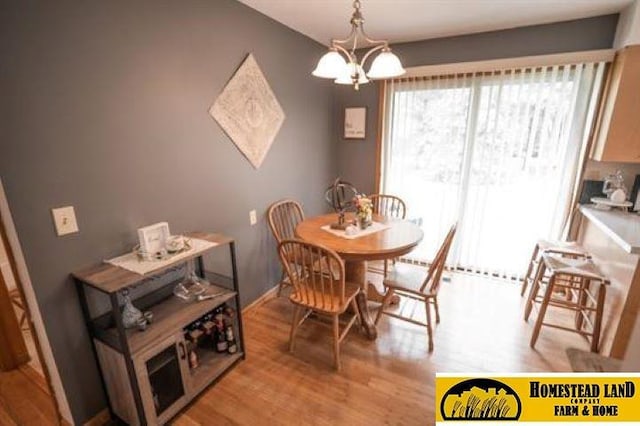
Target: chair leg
<point>534,290</point>
<point>595,339</point>
<point>436,309</point>
<point>386,268</point>
<point>385,302</point>
<point>336,342</point>
<point>354,306</point>
<point>543,311</point>
<point>429,330</point>
<point>294,327</point>
<point>526,276</point>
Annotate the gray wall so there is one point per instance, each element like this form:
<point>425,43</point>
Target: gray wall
<point>357,159</point>
<point>103,99</point>
<point>105,108</point>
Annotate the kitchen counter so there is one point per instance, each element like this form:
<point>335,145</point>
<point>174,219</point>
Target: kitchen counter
<point>623,228</point>
<point>613,239</point>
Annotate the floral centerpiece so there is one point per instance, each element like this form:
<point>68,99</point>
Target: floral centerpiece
<point>364,210</point>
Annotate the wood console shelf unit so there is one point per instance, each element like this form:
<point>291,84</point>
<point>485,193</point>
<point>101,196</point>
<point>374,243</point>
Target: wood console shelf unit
<point>147,375</point>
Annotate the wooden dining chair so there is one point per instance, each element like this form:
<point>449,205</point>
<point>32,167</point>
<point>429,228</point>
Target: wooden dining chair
<point>318,279</point>
<point>409,281</point>
<point>388,206</point>
<point>283,217</point>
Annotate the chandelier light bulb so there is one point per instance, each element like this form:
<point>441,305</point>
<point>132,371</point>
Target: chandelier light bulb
<point>385,65</point>
<point>331,65</point>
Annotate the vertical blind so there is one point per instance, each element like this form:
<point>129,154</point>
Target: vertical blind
<point>497,152</point>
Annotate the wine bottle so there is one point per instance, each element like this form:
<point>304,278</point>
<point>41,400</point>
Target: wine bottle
<point>193,360</point>
<point>209,332</point>
<point>232,346</point>
<point>221,340</point>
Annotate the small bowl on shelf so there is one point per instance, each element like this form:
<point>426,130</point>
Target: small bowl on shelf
<point>188,292</point>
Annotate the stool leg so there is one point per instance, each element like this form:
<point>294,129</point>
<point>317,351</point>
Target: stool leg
<point>582,302</point>
<point>543,311</point>
<point>595,339</point>
<point>525,283</point>
<point>534,290</point>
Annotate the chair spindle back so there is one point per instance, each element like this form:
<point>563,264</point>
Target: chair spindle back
<point>388,205</point>
<point>283,218</point>
<point>438,264</point>
<point>316,272</point>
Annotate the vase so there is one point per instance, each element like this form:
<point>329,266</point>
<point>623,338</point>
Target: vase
<point>130,314</point>
<point>364,219</point>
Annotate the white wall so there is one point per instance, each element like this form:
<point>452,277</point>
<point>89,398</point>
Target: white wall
<point>628,31</point>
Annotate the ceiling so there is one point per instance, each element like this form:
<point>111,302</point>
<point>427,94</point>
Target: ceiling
<point>410,20</point>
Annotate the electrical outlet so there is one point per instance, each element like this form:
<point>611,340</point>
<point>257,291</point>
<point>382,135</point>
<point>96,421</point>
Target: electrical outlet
<point>64,219</point>
<point>253,218</point>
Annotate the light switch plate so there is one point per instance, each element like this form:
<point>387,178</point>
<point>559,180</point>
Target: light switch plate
<point>64,219</point>
<point>253,218</point>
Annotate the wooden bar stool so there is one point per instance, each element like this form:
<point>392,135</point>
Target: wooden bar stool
<point>585,289</point>
<point>568,248</point>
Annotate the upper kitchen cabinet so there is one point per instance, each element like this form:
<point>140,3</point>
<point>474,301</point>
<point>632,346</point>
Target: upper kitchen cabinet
<point>617,133</point>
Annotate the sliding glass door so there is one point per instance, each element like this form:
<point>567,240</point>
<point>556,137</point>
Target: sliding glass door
<point>497,153</point>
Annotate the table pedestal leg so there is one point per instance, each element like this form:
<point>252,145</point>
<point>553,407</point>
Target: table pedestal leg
<point>356,272</point>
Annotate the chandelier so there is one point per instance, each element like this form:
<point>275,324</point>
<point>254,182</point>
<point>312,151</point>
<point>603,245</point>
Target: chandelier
<point>347,69</point>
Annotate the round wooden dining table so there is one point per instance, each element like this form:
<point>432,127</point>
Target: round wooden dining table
<point>398,238</point>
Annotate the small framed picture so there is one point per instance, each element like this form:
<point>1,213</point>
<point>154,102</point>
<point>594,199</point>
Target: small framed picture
<point>355,123</point>
<point>153,238</point>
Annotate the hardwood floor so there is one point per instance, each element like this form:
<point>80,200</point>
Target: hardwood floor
<point>387,381</point>
<point>24,399</point>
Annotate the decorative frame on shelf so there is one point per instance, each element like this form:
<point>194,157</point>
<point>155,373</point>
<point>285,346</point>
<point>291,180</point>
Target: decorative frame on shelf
<point>153,238</point>
<point>355,123</point>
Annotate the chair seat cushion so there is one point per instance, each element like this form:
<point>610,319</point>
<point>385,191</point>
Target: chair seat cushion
<point>407,278</point>
<point>330,305</point>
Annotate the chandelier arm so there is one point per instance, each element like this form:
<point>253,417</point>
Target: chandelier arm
<point>354,46</point>
<point>344,51</point>
<point>345,40</point>
<point>371,40</point>
<point>373,50</point>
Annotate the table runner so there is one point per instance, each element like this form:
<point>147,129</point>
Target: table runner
<point>131,262</point>
<point>375,227</point>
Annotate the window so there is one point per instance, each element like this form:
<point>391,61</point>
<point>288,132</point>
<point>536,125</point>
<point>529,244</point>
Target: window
<point>497,152</point>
